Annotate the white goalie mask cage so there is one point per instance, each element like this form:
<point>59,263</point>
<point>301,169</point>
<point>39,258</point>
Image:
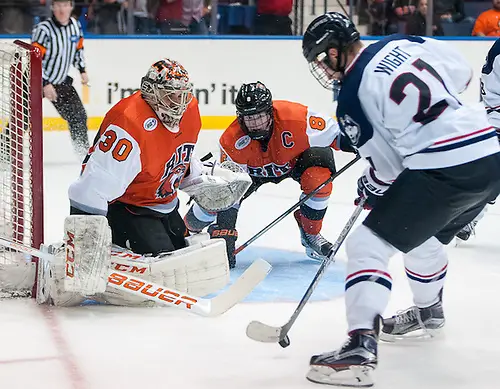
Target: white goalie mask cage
<point>167,89</point>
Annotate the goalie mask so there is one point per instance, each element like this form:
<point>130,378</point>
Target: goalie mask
<point>167,89</point>
<point>254,109</point>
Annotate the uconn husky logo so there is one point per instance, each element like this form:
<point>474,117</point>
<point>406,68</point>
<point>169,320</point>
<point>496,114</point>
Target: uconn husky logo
<point>350,128</point>
<point>175,169</point>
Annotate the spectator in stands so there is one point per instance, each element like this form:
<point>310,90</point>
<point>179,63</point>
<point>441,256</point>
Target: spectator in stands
<point>381,13</point>
<point>416,24</point>
<point>169,16</point>
<point>273,18</point>
<point>192,17</point>
<point>107,16</point>
<point>143,20</point>
<point>39,11</point>
<point>449,11</point>
<point>488,22</point>
<point>15,17</point>
<point>402,11</point>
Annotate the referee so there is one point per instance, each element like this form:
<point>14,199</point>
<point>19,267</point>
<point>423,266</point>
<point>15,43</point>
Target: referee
<point>60,40</point>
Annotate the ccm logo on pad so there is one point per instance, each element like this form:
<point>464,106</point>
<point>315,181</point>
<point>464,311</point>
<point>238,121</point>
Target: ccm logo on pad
<point>70,255</point>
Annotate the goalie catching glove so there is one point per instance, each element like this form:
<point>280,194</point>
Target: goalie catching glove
<point>215,187</point>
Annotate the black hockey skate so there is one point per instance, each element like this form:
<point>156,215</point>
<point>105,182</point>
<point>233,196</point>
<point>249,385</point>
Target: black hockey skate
<point>466,232</point>
<point>414,323</point>
<point>352,364</point>
<point>317,247</point>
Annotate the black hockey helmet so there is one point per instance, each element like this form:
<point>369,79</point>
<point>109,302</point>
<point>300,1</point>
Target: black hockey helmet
<point>331,30</point>
<point>254,109</point>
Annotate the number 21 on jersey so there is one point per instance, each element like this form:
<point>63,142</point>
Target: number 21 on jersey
<point>425,112</point>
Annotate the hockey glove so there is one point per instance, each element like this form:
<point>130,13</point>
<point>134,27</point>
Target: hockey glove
<point>370,188</point>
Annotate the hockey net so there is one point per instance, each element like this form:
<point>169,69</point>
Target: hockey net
<point>21,180</point>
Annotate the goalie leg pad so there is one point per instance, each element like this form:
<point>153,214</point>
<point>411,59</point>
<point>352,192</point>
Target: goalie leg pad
<point>88,253</point>
<point>79,267</point>
<point>51,276</point>
<point>198,270</point>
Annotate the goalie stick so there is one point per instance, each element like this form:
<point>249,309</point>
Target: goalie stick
<point>293,207</point>
<point>261,332</point>
<point>135,286</point>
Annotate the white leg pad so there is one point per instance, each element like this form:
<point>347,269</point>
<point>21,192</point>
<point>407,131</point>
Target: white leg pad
<point>51,276</point>
<point>199,270</point>
<point>196,238</point>
<point>80,265</point>
<point>88,253</point>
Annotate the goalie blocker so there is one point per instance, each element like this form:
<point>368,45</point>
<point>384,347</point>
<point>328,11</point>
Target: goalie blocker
<point>80,266</point>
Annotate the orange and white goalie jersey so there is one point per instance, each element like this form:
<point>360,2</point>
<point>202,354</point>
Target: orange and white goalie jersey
<point>296,128</point>
<point>135,159</point>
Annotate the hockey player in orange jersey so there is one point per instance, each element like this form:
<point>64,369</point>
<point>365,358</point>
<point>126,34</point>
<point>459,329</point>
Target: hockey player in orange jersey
<point>140,155</point>
<point>124,205</point>
<point>274,140</point>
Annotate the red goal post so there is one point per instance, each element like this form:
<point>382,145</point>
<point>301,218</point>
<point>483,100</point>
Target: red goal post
<point>21,162</point>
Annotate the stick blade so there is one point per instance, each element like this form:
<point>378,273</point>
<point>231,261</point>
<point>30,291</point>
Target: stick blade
<point>241,288</point>
<point>261,332</point>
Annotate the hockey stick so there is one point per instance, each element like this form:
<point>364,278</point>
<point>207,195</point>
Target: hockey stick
<point>293,207</point>
<point>261,332</point>
<point>215,306</point>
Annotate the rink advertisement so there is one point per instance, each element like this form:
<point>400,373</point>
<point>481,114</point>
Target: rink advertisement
<point>217,68</point>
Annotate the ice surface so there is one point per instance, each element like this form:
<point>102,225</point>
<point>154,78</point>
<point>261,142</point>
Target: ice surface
<point>100,347</point>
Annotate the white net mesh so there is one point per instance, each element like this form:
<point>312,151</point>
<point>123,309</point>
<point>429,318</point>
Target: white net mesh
<point>16,180</point>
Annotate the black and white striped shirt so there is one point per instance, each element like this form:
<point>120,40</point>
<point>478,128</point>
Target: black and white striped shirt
<point>61,46</point>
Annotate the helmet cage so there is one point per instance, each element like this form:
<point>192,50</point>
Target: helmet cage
<point>322,70</point>
<point>169,99</point>
<point>257,125</point>
<point>174,99</point>
<point>166,88</point>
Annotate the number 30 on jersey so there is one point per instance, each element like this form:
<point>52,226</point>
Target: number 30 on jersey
<point>120,148</point>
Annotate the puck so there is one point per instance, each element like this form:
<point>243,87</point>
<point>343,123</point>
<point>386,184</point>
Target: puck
<point>285,342</point>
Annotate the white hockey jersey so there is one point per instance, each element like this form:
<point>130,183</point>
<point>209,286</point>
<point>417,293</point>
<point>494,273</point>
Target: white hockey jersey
<point>490,84</point>
<point>399,105</point>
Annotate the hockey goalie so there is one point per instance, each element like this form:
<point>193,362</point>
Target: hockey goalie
<point>125,242</point>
